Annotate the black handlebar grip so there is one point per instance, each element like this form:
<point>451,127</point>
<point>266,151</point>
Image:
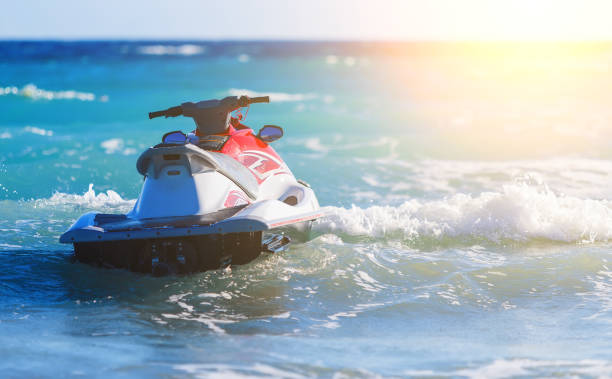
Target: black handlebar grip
<point>174,111</point>
<point>260,99</point>
<point>156,114</point>
<point>170,112</point>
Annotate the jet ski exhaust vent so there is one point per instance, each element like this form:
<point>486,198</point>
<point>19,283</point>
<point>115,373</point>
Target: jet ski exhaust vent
<point>172,256</point>
<point>276,243</point>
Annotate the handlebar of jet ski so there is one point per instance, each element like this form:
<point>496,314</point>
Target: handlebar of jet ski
<point>242,101</point>
<point>260,99</point>
<point>170,112</point>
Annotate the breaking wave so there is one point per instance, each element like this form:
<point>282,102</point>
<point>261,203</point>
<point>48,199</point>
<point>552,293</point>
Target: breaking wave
<point>110,200</point>
<point>510,368</point>
<point>497,369</point>
<point>37,223</point>
<point>185,50</point>
<point>519,213</point>
<point>31,91</point>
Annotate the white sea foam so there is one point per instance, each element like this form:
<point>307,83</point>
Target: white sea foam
<point>315,145</point>
<point>116,145</point>
<point>331,59</point>
<point>39,131</point>
<point>331,239</point>
<point>31,91</point>
<point>186,50</point>
<point>348,61</point>
<point>6,135</point>
<point>89,199</point>
<point>274,96</point>
<point>112,145</point>
<point>238,371</point>
<point>503,368</point>
<point>519,212</point>
<point>243,58</point>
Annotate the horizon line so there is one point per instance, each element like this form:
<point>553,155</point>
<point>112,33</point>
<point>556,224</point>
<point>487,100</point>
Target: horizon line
<point>269,39</point>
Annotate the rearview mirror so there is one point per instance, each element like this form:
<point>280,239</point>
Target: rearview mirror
<point>270,133</point>
<point>177,137</point>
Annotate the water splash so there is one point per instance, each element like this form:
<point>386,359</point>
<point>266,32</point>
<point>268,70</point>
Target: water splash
<point>91,200</point>
<point>519,212</point>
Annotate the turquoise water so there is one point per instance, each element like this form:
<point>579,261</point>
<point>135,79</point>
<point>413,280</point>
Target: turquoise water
<point>468,197</point>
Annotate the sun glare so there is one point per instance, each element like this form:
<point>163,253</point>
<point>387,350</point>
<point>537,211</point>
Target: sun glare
<point>502,98</point>
<point>486,20</point>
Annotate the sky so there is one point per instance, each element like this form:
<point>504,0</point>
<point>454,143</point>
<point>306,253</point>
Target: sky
<point>419,20</point>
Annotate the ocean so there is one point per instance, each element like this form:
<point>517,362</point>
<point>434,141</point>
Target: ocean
<point>468,190</point>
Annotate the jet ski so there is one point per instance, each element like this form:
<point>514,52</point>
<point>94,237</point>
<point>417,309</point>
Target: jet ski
<point>210,198</point>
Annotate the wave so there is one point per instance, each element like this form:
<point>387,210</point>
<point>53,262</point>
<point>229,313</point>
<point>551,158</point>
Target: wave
<point>28,129</point>
<point>348,60</point>
<point>31,91</point>
<point>507,368</point>
<point>274,96</point>
<point>100,201</point>
<point>185,50</point>
<point>39,131</point>
<point>116,145</point>
<point>518,213</point>
<point>37,223</point>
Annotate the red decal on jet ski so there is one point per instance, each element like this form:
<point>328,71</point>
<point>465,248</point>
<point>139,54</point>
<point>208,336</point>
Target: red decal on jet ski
<point>235,198</point>
<point>262,164</point>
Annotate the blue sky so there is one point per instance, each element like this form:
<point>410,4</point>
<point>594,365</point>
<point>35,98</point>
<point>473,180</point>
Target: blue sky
<point>312,19</point>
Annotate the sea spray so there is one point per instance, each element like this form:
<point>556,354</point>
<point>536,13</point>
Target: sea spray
<point>101,202</point>
<point>519,212</point>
